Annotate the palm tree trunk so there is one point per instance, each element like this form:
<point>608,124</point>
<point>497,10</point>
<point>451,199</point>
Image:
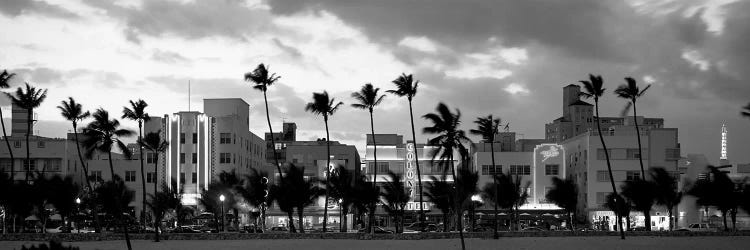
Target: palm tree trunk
<point>290,214</point>
<point>416,161</point>
<point>375,172</point>
<point>647,219</point>
<point>724,217</point>
<point>156,181</point>
<point>117,203</point>
<point>300,213</point>
<point>606,155</point>
<point>10,151</point>
<point>328,176</point>
<point>344,220</point>
<point>671,220</point>
<point>459,211</point>
<point>494,181</point>
<point>143,178</point>
<point>445,222</point>
<point>273,141</point>
<point>570,216</point>
<point>640,153</point>
<point>111,166</point>
<point>97,226</point>
<point>28,153</point>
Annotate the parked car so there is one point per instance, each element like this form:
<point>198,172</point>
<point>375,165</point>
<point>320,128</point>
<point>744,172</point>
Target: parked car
<point>184,229</point>
<point>60,229</point>
<point>422,227</point>
<point>378,230</point>
<point>699,227</point>
<point>532,229</point>
<point>279,229</point>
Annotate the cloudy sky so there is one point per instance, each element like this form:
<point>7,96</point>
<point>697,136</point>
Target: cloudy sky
<point>509,58</point>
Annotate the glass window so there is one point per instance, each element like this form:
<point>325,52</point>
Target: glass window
<point>194,177</point>
<point>150,177</point>
<point>96,176</point>
<point>129,176</point>
<point>520,169</point>
<point>182,177</point>
<point>40,144</point>
<point>225,158</point>
<point>17,144</point>
<point>633,175</point>
<point>182,158</point>
<point>602,176</point>
<point>182,138</point>
<point>150,157</point>
<point>54,165</point>
<point>491,170</point>
<point>601,197</point>
<point>225,138</point>
<point>195,158</point>
<point>551,169</point>
<point>195,138</point>
<point>29,165</point>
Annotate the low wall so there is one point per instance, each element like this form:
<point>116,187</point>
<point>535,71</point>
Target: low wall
<point>352,236</point>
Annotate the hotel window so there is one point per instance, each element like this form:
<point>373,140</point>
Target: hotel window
<point>551,169</point>
<point>195,138</point>
<point>195,158</point>
<point>150,157</point>
<point>129,176</point>
<point>182,177</point>
<point>491,170</point>
<point>182,138</point>
<point>17,144</point>
<point>520,170</point>
<point>29,165</point>
<point>602,176</point>
<point>277,146</point>
<point>632,153</point>
<point>182,158</point>
<point>633,175</point>
<point>40,144</point>
<point>601,197</point>
<point>5,165</point>
<point>225,158</point>
<point>54,165</point>
<point>194,177</point>
<point>383,167</point>
<point>600,154</point>
<point>96,176</point>
<point>225,138</point>
<point>150,177</point>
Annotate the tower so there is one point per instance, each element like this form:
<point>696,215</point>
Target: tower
<point>723,159</point>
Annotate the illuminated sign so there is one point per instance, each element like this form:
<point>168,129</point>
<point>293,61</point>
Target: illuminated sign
<point>410,171</point>
<point>414,205</point>
<point>551,152</point>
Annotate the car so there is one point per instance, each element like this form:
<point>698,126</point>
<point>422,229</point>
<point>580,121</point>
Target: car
<point>60,229</point>
<point>184,230</point>
<point>85,230</point>
<point>637,229</point>
<point>378,230</point>
<point>279,229</point>
<point>532,229</point>
<point>700,227</point>
<point>422,227</point>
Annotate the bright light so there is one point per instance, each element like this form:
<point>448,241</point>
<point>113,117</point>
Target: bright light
<point>476,197</point>
<point>78,200</point>
<point>221,198</point>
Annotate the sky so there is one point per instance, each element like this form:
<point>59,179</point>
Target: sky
<point>509,58</point>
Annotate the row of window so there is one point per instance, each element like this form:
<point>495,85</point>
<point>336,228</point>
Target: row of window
<point>39,144</point>
<point>225,138</point>
<point>51,165</point>
<point>603,176</point>
<point>385,167</point>
<point>549,169</point>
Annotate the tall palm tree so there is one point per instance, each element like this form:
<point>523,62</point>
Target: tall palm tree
<point>367,98</point>
<point>667,193</point>
<point>564,194</point>
<point>325,106</point>
<point>395,196</point>
<point>466,188</point>
<point>632,92</point>
<point>718,190</point>
<point>641,194</point>
<point>262,80</point>
<point>342,190</point>
<point>254,190</point>
<point>137,112</point>
<point>154,143</point>
<point>4,84</point>
<point>115,196</point>
<point>103,135</point>
<point>406,86</point>
<point>487,128</point>
<point>594,88</point>
<point>281,193</point>
<point>364,197</point>
<point>450,139</point>
<point>440,193</point>
<point>73,112</point>
<point>29,99</point>
<point>304,192</point>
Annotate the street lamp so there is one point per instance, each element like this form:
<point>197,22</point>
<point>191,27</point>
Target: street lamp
<point>223,215</point>
<point>78,213</point>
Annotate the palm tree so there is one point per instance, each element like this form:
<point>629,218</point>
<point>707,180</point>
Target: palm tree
<point>364,197</point>
<point>102,135</point>
<point>395,196</point>
<point>211,202</point>
<point>406,86</point>
<point>666,190</point>
<point>29,99</point>
<point>137,112</point>
<point>4,84</point>
<point>466,184</point>
<point>303,192</point>
<point>73,112</point>
<point>621,207</point>
<point>564,194</point>
<point>282,193</point>
<point>342,190</point>
<point>641,194</point>
<point>632,92</point>
<point>262,80</point>
<point>153,142</point>
<point>450,139</point>
<point>367,99</point>
<point>160,204</point>
<point>487,127</point>
<point>325,106</point>
<point>717,190</point>
<point>114,196</point>
<point>440,193</point>
<point>254,190</point>
<point>594,88</point>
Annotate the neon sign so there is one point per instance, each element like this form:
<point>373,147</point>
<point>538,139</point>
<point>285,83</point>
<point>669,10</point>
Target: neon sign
<point>409,169</point>
<point>552,152</point>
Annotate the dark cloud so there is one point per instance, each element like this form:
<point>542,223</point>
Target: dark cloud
<point>41,75</point>
<point>169,57</point>
<point>575,26</point>
<point>292,51</point>
<point>14,8</point>
<point>192,19</point>
<point>53,78</point>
